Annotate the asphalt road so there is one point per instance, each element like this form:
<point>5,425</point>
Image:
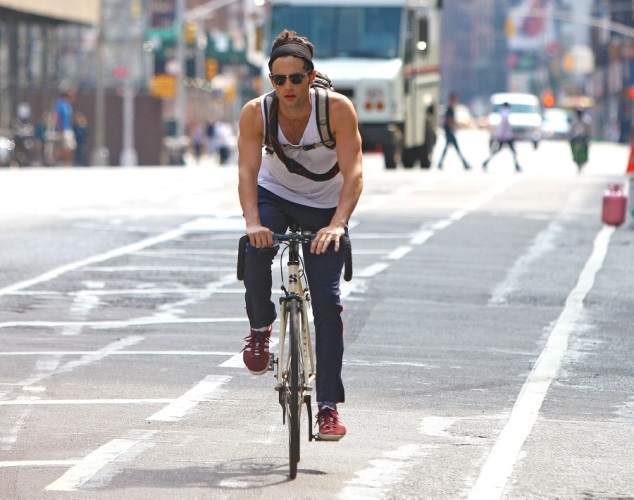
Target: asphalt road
<point>488,327</point>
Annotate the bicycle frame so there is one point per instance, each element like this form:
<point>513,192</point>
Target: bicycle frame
<point>297,290</point>
<point>294,391</point>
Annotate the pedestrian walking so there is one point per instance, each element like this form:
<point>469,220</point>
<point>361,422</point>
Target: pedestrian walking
<point>64,127</point>
<point>430,136</point>
<point>449,126</point>
<point>503,136</point>
<point>579,138</point>
<point>197,134</point>
<point>80,128</point>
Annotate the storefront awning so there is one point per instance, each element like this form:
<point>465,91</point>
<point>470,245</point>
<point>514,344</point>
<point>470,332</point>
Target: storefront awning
<point>74,11</point>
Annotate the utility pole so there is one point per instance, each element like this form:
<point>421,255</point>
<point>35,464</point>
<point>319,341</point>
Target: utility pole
<point>128,153</point>
<point>180,100</point>
<point>100,154</point>
<point>180,18</point>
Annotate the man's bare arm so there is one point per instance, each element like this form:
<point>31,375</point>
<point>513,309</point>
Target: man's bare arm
<point>346,131</point>
<point>249,159</point>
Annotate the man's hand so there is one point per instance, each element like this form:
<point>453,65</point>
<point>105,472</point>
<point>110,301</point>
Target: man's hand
<point>260,236</point>
<point>324,237</point>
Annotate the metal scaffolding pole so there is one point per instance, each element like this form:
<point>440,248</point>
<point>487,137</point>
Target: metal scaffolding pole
<point>100,154</point>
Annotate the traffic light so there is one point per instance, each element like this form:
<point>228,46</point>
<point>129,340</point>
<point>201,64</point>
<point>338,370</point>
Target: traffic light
<point>509,28</point>
<point>191,32</point>
<point>190,67</point>
<point>548,100</point>
<point>568,62</point>
<point>230,93</point>
<point>163,86</point>
<point>211,69</point>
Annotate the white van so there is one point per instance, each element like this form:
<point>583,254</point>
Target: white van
<point>526,116</point>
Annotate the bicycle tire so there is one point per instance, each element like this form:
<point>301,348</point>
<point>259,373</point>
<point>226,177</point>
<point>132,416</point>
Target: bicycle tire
<point>295,387</point>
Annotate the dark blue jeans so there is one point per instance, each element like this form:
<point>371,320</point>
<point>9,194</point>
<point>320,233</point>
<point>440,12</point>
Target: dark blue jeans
<point>323,273</point>
<point>451,140</point>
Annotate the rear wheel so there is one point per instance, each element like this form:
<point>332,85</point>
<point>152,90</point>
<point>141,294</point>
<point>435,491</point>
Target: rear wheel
<point>295,399</point>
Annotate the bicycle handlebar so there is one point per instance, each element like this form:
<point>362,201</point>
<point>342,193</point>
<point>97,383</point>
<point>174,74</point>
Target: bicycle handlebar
<point>301,237</point>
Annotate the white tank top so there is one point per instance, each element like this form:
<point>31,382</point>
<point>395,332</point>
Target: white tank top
<point>275,177</point>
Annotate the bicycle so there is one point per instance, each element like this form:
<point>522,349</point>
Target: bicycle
<point>295,365</point>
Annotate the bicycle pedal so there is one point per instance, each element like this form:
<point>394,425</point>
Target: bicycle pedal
<point>272,363</point>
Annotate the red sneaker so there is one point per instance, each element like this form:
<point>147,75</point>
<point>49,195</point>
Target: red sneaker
<point>330,427</point>
<point>256,354</point>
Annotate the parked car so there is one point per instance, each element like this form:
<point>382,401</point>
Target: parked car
<point>555,124</point>
<point>526,116</point>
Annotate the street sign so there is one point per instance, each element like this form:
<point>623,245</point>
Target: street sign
<point>163,86</point>
<point>120,72</point>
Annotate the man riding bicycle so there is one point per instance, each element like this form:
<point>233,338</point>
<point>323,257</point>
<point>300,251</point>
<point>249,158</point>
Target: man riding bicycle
<point>320,195</point>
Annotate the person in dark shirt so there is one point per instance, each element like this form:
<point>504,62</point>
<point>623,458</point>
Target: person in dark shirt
<point>449,126</point>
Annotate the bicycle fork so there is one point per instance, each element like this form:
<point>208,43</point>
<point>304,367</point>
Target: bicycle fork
<point>297,291</point>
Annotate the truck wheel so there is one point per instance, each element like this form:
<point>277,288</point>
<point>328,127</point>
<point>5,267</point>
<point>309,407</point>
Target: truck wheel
<point>409,157</point>
<point>389,154</point>
<point>425,156</point>
<point>393,147</point>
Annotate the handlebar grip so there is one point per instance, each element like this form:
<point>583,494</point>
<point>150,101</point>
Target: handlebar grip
<point>242,256</point>
<point>347,257</point>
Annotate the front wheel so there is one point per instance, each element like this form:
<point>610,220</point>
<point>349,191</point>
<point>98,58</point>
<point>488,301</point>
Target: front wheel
<point>295,399</point>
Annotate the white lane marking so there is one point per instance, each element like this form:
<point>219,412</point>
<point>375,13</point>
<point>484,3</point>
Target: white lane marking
<point>86,359</point>
<point>380,236</point>
<point>84,302</point>
<point>543,243</point>
<point>384,473</point>
<point>118,353</point>
<point>93,463</point>
<point>436,426</point>
<point>134,269</point>
<point>215,224</point>
<point>421,236</point>
<point>399,252</point>
<point>236,361</point>
<point>361,362</point>
<point>203,391</point>
<point>427,231</point>
<point>37,463</point>
<point>501,460</point>
<point>350,288</point>
<point>373,269</point>
<point>46,402</point>
<point>10,439</point>
<point>129,291</point>
<point>176,309</point>
<point>115,324</point>
<point>379,200</point>
<point>117,252</point>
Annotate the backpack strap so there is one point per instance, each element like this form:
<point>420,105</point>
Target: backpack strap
<point>268,101</point>
<point>323,117</point>
<point>292,165</point>
<point>322,111</point>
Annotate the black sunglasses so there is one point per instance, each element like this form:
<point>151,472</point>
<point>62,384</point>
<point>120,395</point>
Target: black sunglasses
<point>295,78</point>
